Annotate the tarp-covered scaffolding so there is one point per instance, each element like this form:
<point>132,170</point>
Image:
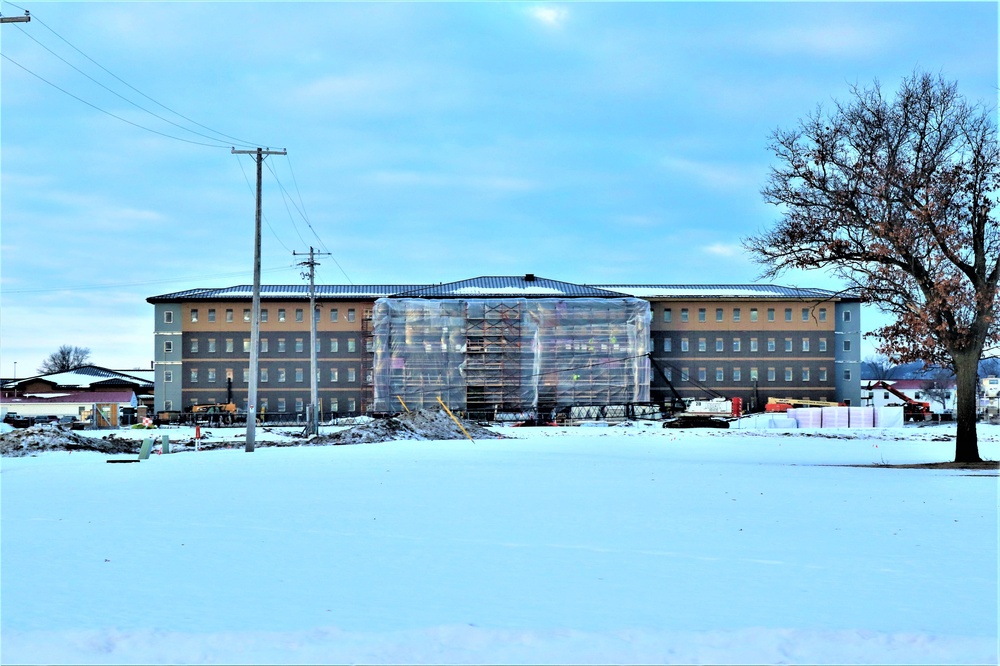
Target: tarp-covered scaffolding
<point>484,355</point>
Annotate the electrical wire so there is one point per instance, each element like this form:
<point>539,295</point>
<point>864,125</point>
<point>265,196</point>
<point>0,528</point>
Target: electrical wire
<point>264,217</point>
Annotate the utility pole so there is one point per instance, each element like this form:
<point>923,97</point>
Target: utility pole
<point>312,423</point>
<point>16,19</point>
<point>260,154</point>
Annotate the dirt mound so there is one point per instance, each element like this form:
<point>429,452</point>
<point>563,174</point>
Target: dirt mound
<point>423,425</point>
<point>39,438</point>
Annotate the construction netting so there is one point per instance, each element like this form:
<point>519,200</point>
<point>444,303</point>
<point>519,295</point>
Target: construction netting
<point>485,356</point>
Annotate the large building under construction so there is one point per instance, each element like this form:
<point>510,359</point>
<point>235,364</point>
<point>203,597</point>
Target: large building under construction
<point>506,344</point>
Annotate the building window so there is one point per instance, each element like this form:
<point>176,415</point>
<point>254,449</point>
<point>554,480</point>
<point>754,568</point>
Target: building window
<point>229,345</point>
<point>770,314</point>
<point>753,314</point>
<point>788,374</point>
<point>298,374</point>
<point>334,375</point>
<point>318,346</point>
<point>805,344</point>
<point>667,316</point>
<point>701,314</point>
<point>805,314</point>
<point>753,344</point>
<point>822,374</point>
<point>334,345</point>
<point>684,344</point>
<point>194,375</point>
<point>263,316</point>
<point>281,314</point>
<point>263,375</point>
<point>281,404</point>
<point>847,315</point>
<point>194,345</point>
<point>822,314</point>
<point>736,344</point>
<point>246,345</point>
<point>720,345</point>
<point>263,405</point>
<point>770,374</point>
<point>334,405</point>
<point>718,314</point>
<point>281,375</point>
<point>211,315</point>
<point>770,344</point>
<point>847,345</point>
<point>263,344</point>
<point>822,344</point>
<point>281,345</point>
<point>737,374</point>
<point>670,374</point>
<point>333,314</point>
<point>168,347</point>
<point>352,405</point>
<point>229,374</point>
<point>298,404</point>
<point>736,314</point>
<point>370,345</point>
<point>168,405</point>
<point>246,314</point>
<point>211,345</point>
<point>788,314</point>
<point>352,375</point>
<point>847,375</point>
<point>168,376</point>
<point>753,374</point>
<point>211,375</point>
<point>168,317</point>
<point>350,314</point>
<point>229,315</point>
<point>805,374</point>
<point>788,344</point>
<point>246,375</point>
<point>702,345</point>
<point>194,314</point>
<point>298,314</point>
<point>684,375</point>
<point>668,344</point>
<point>684,314</point>
<point>367,314</point>
<point>299,345</point>
<point>316,315</point>
<point>702,375</point>
<point>719,375</point>
<point>352,345</point>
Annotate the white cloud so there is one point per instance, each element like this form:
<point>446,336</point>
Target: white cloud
<point>550,16</point>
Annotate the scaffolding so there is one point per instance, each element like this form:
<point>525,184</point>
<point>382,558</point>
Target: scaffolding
<point>484,356</point>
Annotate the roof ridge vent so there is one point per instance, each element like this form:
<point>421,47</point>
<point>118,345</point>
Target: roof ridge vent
<point>529,277</point>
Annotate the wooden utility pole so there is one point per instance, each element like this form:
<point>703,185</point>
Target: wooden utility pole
<point>312,423</point>
<point>260,154</point>
<point>16,19</point>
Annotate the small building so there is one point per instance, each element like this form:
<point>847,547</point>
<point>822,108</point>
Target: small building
<point>111,405</point>
<point>941,394</point>
<point>87,378</point>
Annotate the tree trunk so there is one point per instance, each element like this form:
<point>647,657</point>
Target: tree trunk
<point>967,375</point>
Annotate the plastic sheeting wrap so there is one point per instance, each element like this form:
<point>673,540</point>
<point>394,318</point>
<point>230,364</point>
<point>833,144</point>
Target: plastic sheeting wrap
<point>862,417</point>
<point>807,417</point>
<point>889,417</point>
<point>483,355</point>
<point>836,417</point>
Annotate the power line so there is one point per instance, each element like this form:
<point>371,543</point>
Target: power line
<point>266,221</point>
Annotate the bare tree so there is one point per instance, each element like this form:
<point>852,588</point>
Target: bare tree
<point>898,197</point>
<point>938,386</point>
<point>879,367</point>
<point>66,358</point>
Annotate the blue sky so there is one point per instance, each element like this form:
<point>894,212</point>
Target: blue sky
<point>586,142</point>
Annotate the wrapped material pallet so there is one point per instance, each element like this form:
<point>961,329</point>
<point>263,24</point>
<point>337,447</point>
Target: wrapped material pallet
<point>862,417</point>
<point>807,417</point>
<point>836,417</point>
<point>782,423</point>
<point>889,417</point>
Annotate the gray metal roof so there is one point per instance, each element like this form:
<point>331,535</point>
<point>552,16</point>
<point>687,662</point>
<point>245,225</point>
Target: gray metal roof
<point>504,286</point>
<point>507,286</point>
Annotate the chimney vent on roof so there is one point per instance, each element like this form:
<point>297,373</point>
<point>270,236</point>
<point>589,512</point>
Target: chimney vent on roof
<point>529,277</point>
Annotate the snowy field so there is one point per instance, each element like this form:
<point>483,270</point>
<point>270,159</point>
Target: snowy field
<point>577,545</point>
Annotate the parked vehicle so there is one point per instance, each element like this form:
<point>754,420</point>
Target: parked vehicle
<point>10,417</point>
<point>67,420</point>
<point>46,419</point>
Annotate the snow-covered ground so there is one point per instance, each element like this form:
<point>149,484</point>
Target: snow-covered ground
<point>576,545</point>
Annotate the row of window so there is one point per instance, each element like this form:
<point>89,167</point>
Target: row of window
<point>805,374</point>
<point>229,345</point>
<point>737,345</point>
<point>280,375</point>
<point>168,315</point>
<point>737,314</point>
<point>331,406</point>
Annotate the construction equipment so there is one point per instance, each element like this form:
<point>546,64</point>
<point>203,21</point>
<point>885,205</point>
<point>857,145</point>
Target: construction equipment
<point>913,410</point>
<point>784,404</point>
<point>718,405</point>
